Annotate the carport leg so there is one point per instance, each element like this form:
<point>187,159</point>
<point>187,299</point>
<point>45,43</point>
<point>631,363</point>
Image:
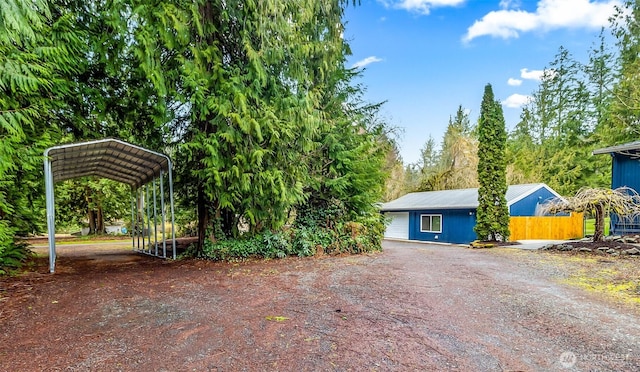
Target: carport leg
<point>51,222</point>
<point>140,219</point>
<point>133,234</point>
<point>164,217</point>
<point>173,220</point>
<point>146,188</point>
<point>155,217</point>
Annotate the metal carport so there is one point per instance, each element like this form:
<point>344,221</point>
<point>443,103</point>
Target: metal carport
<point>119,161</point>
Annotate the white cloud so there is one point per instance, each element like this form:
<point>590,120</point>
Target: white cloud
<point>367,61</point>
<point>538,75</point>
<point>531,75</point>
<point>516,100</point>
<point>550,14</point>
<point>420,6</point>
<point>514,82</point>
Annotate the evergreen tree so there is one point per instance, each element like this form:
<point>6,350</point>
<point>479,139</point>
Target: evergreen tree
<point>461,121</point>
<point>543,115</point>
<point>109,96</point>
<point>523,153</point>
<point>429,176</point>
<point>624,111</point>
<point>272,120</point>
<point>39,53</point>
<point>601,76</point>
<point>454,166</point>
<point>429,156</point>
<point>492,214</point>
<point>458,158</point>
<point>346,166</point>
<point>241,69</point>
<point>412,177</point>
<point>554,139</point>
<point>395,184</point>
<point>569,100</point>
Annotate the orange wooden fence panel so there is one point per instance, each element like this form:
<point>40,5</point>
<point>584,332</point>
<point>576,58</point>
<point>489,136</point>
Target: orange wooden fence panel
<point>547,227</point>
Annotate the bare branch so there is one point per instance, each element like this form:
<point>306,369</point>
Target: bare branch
<point>623,201</point>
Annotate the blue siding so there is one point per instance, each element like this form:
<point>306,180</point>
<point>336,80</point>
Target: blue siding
<point>457,226</point>
<point>527,206</point>
<point>625,172</point>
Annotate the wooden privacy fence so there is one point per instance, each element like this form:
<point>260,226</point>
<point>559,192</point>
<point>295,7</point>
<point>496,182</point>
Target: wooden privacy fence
<point>547,227</point>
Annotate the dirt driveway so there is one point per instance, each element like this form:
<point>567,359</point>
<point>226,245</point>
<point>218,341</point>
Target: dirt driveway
<point>412,307</point>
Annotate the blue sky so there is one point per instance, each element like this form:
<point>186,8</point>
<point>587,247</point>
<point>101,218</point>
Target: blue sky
<point>427,57</point>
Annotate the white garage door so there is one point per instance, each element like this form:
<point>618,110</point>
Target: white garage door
<point>399,226</point>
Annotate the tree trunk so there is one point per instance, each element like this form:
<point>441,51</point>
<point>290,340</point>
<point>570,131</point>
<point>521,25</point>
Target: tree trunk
<point>598,234</point>
<point>228,222</point>
<point>92,221</point>
<point>204,219</point>
<point>99,221</point>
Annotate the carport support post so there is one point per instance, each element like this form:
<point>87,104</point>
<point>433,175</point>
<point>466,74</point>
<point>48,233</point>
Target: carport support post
<point>51,223</point>
<point>164,216</point>
<point>133,234</point>
<point>155,217</point>
<point>139,217</point>
<point>146,202</point>
<point>173,220</point>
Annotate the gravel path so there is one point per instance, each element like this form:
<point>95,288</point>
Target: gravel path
<point>412,307</point>
<point>501,314</point>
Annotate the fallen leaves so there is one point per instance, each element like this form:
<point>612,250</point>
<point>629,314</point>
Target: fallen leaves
<point>276,318</point>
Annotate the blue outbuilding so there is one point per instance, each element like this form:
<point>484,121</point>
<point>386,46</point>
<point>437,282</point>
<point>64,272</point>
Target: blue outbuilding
<point>625,172</point>
<point>449,216</point>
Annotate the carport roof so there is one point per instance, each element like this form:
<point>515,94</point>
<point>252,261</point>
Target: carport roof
<point>107,158</point>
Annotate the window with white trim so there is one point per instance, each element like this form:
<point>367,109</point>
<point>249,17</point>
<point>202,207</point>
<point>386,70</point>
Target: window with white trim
<point>431,223</point>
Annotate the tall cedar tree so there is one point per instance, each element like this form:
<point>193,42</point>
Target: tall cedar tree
<point>110,96</point>
<point>264,88</point>
<point>38,55</point>
<point>493,214</point>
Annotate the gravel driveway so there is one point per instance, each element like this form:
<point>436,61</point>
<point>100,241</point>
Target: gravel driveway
<point>412,307</point>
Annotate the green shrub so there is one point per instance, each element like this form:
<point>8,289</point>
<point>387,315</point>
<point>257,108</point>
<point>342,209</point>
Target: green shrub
<point>364,235</point>
<point>305,239</point>
<point>268,245</point>
<point>231,249</point>
<point>13,256</point>
<point>275,245</point>
<point>315,230</point>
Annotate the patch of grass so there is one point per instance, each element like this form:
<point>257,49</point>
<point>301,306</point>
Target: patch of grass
<point>93,238</point>
<point>621,281</point>
<point>90,241</point>
<point>615,277</point>
<point>590,226</point>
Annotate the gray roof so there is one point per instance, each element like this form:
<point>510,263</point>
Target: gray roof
<point>456,199</point>
<point>630,148</point>
<point>108,158</point>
